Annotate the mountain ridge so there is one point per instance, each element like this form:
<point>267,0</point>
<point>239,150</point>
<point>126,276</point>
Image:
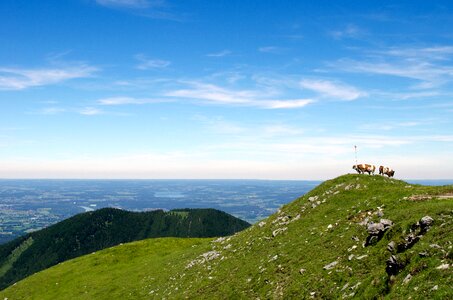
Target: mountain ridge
<point>318,246</point>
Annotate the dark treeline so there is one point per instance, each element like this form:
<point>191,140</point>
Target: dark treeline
<point>93,231</point>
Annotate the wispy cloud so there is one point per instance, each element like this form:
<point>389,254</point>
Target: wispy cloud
<point>216,94</point>
<point>332,89</point>
<point>430,67</point>
<point>155,9</point>
<point>220,54</point>
<point>427,53</point>
<point>350,31</point>
<point>18,79</point>
<point>429,75</point>
<point>51,111</point>
<point>147,63</point>
<point>386,126</point>
<point>90,111</point>
<point>112,101</point>
<point>272,49</point>
<point>125,3</point>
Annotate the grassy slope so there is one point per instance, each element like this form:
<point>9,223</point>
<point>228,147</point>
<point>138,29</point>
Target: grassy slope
<point>92,231</point>
<point>254,263</point>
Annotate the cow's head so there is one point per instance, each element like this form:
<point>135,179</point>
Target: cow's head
<point>354,167</point>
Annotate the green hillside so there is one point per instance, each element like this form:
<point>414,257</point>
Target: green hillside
<point>318,246</point>
<point>93,231</point>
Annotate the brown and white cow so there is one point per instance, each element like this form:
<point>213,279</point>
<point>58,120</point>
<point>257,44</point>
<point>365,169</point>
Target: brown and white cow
<point>386,171</point>
<point>362,168</point>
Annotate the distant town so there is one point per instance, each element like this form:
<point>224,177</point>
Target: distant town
<point>29,205</point>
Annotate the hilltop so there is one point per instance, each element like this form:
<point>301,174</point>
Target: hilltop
<point>104,228</point>
<point>355,236</point>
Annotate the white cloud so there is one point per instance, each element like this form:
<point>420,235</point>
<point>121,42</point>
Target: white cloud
<point>282,104</point>
<point>129,100</point>
<point>216,94</point>
<point>51,111</point>
<point>427,53</point>
<point>431,67</point>
<point>350,31</point>
<point>332,89</point>
<point>124,3</point>
<point>272,49</point>
<point>147,64</point>
<point>18,79</point>
<point>90,111</point>
<point>219,54</point>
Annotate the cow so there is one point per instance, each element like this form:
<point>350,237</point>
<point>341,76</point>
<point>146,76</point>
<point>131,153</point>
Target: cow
<point>362,168</point>
<point>386,171</point>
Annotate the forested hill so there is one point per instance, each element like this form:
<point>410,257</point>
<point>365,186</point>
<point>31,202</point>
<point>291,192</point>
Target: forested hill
<point>92,231</point>
<point>352,237</point>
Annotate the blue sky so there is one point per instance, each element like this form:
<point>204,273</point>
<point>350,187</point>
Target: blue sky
<point>224,89</point>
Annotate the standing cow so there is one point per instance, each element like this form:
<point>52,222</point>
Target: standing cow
<point>362,168</point>
<point>386,171</point>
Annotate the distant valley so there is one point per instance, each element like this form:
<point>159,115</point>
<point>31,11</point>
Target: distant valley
<point>28,205</point>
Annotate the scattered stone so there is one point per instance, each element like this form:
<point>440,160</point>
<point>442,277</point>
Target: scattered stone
<point>301,271</point>
<point>261,224</point>
<point>423,254</point>
<point>350,257</point>
<point>311,199</point>
<point>407,278</point>
<point>355,238</point>
<point>386,222</point>
<point>393,265</point>
<point>435,246</point>
<point>409,241</point>
<point>345,287</point>
<point>330,266</point>
<point>376,230</point>
<point>273,258</point>
<point>352,248</point>
<point>210,255</point>
<point>278,231</point>
<point>364,221</point>
<point>425,223</point>
<point>435,288</point>
<point>443,267</point>
<point>220,240</point>
<point>362,256</point>
<point>391,246</point>
<point>329,226</point>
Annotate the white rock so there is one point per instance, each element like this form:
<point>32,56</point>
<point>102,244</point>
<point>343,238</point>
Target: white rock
<point>407,278</point>
<point>443,267</point>
<point>330,266</point>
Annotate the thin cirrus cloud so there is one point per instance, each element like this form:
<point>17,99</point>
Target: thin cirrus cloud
<point>115,101</point>
<point>350,31</point>
<point>19,79</point>
<point>272,49</point>
<point>147,63</point>
<point>430,67</point>
<point>330,89</point>
<point>220,54</point>
<point>90,111</point>
<point>124,3</point>
<point>215,94</point>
